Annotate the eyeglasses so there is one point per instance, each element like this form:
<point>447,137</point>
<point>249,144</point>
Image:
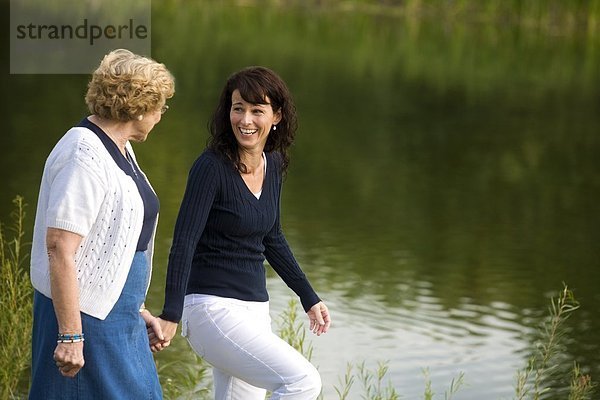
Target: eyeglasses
<point>164,109</point>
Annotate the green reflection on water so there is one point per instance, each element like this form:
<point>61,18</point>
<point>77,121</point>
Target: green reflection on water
<point>459,154</point>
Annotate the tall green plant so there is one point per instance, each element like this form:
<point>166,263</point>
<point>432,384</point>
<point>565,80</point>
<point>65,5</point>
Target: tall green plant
<point>16,303</point>
<point>187,378</point>
<point>534,381</point>
<point>373,383</point>
<point>455,385</point>
<point>582,386</point>
<point>292,330</point>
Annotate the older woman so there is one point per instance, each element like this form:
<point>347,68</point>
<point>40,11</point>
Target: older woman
<point>228,224</point>
<point>93,242</point>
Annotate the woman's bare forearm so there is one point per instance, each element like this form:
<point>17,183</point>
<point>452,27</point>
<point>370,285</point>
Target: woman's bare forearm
<point>62,246</point>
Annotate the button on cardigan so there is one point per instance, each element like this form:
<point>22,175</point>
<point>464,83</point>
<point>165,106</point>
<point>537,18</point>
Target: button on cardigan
<point>223,235</point>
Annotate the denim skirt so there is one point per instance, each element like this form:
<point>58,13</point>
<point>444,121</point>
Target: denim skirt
<point>116,351</point>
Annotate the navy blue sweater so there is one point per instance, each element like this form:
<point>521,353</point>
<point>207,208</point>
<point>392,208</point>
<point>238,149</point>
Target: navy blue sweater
<point>224,233</point>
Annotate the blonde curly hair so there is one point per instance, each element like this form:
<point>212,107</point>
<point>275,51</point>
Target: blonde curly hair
<point>126,85</point>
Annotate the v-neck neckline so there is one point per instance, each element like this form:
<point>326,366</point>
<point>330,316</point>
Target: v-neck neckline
<point>265,186</point>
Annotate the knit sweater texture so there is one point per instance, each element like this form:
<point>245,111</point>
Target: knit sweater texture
<point>223,235</point>
<point>85,192</point>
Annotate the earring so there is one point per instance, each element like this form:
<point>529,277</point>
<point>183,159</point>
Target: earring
<point>274,127</point>
<point>140,117</point>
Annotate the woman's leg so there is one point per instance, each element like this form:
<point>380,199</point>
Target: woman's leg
<point>229,387</point>
<point>46,380</point>
<point>118,361</point>
<point>235,338</point>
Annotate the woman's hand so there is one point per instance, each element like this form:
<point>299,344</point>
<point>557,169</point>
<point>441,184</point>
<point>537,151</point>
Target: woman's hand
<point>69,358</point>
<point>155,333</point>
<point>169,329</point>
<point>319,318</point>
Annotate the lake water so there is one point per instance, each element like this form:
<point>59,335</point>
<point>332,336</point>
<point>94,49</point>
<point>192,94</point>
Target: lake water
<point>443,185</point>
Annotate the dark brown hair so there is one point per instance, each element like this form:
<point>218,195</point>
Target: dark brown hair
<point>256,85</point>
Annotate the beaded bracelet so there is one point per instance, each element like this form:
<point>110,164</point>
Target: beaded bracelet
<point>70,338</point>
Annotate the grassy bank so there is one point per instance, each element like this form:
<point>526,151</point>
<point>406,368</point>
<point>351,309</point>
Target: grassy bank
<point>16,302</point>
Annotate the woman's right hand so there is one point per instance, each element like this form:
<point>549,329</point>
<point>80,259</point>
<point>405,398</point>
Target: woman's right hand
<point>69,358</point>
<point>319,318</point>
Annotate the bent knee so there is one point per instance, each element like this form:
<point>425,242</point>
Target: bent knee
<point>311,383</point>
<point>316,383</point>
<point>304,386</point>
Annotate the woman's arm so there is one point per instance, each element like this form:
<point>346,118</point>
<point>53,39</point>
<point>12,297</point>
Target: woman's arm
<point>195,207</point>
<point>282,260</point>
<point>62,246</point>
<point>280,257</point>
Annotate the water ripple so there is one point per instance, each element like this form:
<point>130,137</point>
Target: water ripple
<point>484,341</point>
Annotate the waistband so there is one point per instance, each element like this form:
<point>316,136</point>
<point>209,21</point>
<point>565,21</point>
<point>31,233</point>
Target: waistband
<point>197,298</point>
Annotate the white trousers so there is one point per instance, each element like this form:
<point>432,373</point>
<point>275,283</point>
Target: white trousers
<point>235,337</point>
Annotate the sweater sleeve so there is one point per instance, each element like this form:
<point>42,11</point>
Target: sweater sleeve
<point>195,207</point>
<point>76,191</point>
<point>282,260</point>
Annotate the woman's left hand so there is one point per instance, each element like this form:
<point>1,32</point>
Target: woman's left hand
<point>155,334</point>
<point>319,318</point>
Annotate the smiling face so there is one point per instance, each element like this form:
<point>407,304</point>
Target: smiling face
<point>251,123</point>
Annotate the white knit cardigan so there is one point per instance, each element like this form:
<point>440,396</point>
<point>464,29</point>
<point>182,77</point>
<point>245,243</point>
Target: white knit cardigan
<point>84,191</point>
